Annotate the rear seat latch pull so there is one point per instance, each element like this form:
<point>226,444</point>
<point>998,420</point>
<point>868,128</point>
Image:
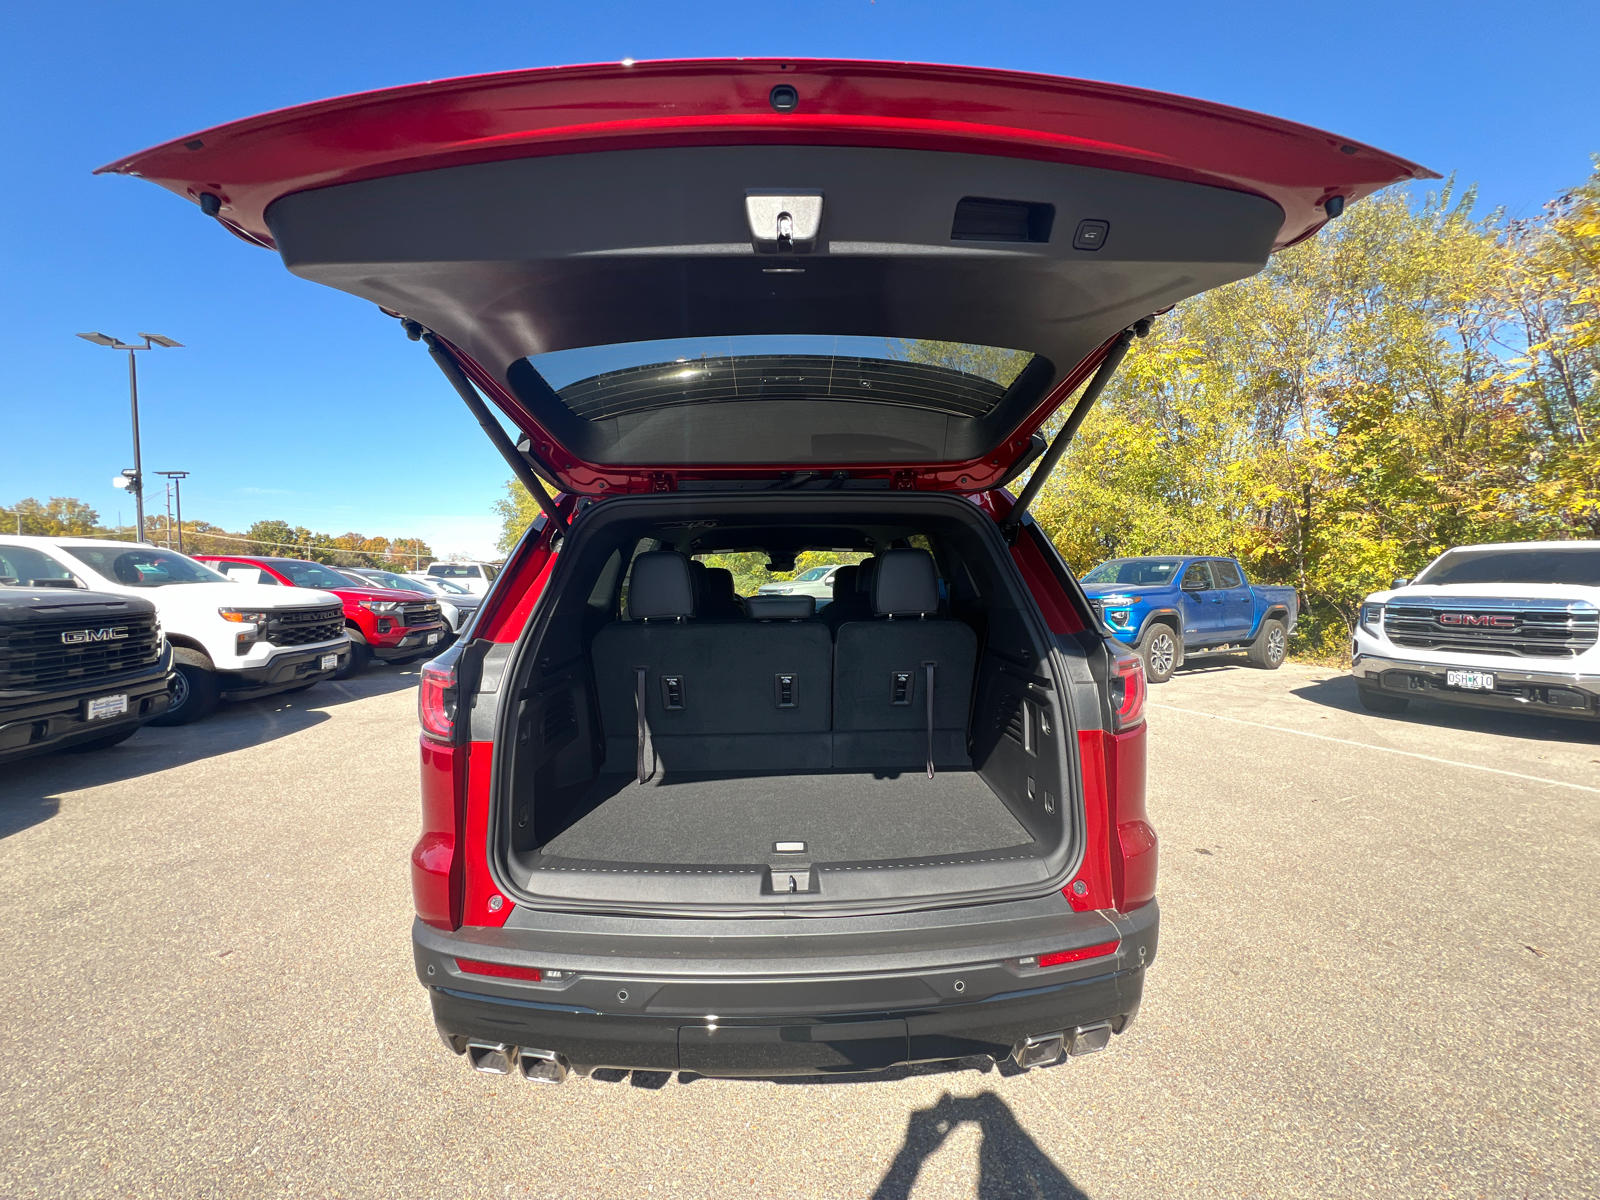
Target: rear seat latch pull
<point>644,751</point>
<point>786,688</point>
<point>929,666</point>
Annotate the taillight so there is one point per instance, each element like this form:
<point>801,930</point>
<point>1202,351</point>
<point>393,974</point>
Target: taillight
<point>1128,690</point>
<point>498,970</point>
<point>1100,950</point>
<point>436,703</point>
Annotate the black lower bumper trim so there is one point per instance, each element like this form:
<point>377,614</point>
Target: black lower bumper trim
<point>62,721</point>
<point>780,1045</point>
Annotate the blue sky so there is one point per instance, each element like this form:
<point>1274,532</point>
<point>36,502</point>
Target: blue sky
<point>297,402</point>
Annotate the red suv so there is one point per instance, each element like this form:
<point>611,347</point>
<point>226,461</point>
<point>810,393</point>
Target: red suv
<point>383,623</point>
<point>773,307</point>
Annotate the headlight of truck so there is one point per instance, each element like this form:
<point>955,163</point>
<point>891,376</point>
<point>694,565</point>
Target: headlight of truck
<point>386,607</point>
<point>1117,616</point>
<point>1372,617</point>
<point>243,616</point>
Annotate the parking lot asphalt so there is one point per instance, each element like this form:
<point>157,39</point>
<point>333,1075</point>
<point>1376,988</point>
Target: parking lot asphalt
<point>1377,977</point>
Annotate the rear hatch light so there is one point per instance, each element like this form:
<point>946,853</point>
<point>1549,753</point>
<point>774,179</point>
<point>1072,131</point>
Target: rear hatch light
<point>756,273</point>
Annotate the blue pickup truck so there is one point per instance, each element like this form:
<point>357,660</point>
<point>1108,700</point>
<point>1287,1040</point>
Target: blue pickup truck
<point>1170,608</point>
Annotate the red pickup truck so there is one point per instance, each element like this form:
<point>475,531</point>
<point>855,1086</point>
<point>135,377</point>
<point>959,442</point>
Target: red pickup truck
<point>383,623</point>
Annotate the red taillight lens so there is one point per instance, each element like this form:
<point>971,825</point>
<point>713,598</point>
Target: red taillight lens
<point>436,703</point>
<point>1127,691</point>
<point>1078,955</point>
<point>499,970</point>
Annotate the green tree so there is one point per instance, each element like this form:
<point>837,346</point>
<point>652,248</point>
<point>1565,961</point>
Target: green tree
<point>60,516</point>
<point>516,510</point>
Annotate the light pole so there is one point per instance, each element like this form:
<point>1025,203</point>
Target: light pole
<point>177,478</point>
<point>135,480</point>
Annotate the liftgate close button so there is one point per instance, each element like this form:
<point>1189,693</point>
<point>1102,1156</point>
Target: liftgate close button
<point>1091,235</point>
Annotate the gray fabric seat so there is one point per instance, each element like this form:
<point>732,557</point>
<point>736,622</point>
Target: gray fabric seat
<point>739,695</point>
<point>883,668</point>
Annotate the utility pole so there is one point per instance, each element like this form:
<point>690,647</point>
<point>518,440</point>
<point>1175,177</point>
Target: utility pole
<point>175,479</point>
<point>135,478</point>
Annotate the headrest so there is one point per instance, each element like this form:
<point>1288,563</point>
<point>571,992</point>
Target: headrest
<point>781,608</point>
<point>844,582</point>
<point>865,570</point>
<point>719,584</point>
<point>661,586</point>
<point>906,584</point>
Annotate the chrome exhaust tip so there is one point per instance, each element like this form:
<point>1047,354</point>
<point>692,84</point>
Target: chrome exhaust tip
<point>492,1058</point>
<point>1090,1039</point>
<point>1038,1051</point>
<point>541,1066</point>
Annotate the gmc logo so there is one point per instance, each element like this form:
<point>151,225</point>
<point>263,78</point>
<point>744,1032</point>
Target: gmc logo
<point>80,637</point>
<point>1480,620</point>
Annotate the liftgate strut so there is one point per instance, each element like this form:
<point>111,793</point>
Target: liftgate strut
<point>1102,376</point>
<point>458,380</point>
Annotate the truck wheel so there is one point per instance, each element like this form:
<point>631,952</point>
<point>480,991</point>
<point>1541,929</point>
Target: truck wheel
<point>195,692</point>
<point>1374,700</point>
<point>1270,646</point>
<point>1159,649</point>
<point>360,656</point>
<point>103,743</point>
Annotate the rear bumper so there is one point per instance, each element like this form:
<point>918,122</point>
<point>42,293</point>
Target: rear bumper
<point>1550,693</point>
<point>649,1012</point>
<point>59,721</point>
<point>286,669</point>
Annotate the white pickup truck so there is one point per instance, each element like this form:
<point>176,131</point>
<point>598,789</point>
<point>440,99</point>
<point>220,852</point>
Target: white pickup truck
<point>1512,625</point>
<point>230,641</point>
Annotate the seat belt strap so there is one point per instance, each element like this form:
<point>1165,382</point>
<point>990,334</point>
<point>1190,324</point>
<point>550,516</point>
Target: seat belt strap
<point>930,666</point>
<point>644,752</point>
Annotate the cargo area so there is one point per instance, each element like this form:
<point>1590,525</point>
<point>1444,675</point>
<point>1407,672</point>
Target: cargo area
<point>908,738</point>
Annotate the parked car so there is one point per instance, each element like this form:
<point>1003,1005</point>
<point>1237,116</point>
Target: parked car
<point>855,295</point>
<point>814,581</point>
<point>230,641</point>
<point>476,577</point>
<point>1176,607</point>
<point>383,623</point>
<point>78,670</point>
<point>456,604</point>
<point>1513,625</point>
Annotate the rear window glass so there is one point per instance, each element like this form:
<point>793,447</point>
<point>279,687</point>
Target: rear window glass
<point>1578,566</point>
<point>598,382</point>
<point>454,571</point>
<point>315,575</point>
<point>1135,572</point>
<point>1227,574</point>
<point>144,566</point>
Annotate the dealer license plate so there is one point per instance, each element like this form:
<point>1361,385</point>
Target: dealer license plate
<point>329,662</point>
<point>1472,681</point>
<point>106,706</point>
<point>432,638</point>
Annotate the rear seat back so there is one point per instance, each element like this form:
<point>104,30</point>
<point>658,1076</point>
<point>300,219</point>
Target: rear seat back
<point>735,696</point>
<point>881,673</point>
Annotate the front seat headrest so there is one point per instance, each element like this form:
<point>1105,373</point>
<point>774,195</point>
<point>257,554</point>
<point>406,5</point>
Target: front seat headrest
<point>661,586</point>
<point>844,582</point>
<point>865,570</point>
<point>719,584</point>
<point>906,584</point>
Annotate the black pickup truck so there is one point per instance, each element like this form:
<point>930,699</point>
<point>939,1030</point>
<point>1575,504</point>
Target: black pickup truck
<point>78,670</point>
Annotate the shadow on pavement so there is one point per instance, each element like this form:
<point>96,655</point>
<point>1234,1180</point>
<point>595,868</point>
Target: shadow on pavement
<point>31,790</point>
<point>1010,1162</point>
<point>1340,693</point>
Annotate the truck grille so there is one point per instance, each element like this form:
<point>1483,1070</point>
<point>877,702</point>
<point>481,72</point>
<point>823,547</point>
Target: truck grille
<point>1524,628</point>
<point>305,626</point>
<point>418,614</point>
<point>34,656</point>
